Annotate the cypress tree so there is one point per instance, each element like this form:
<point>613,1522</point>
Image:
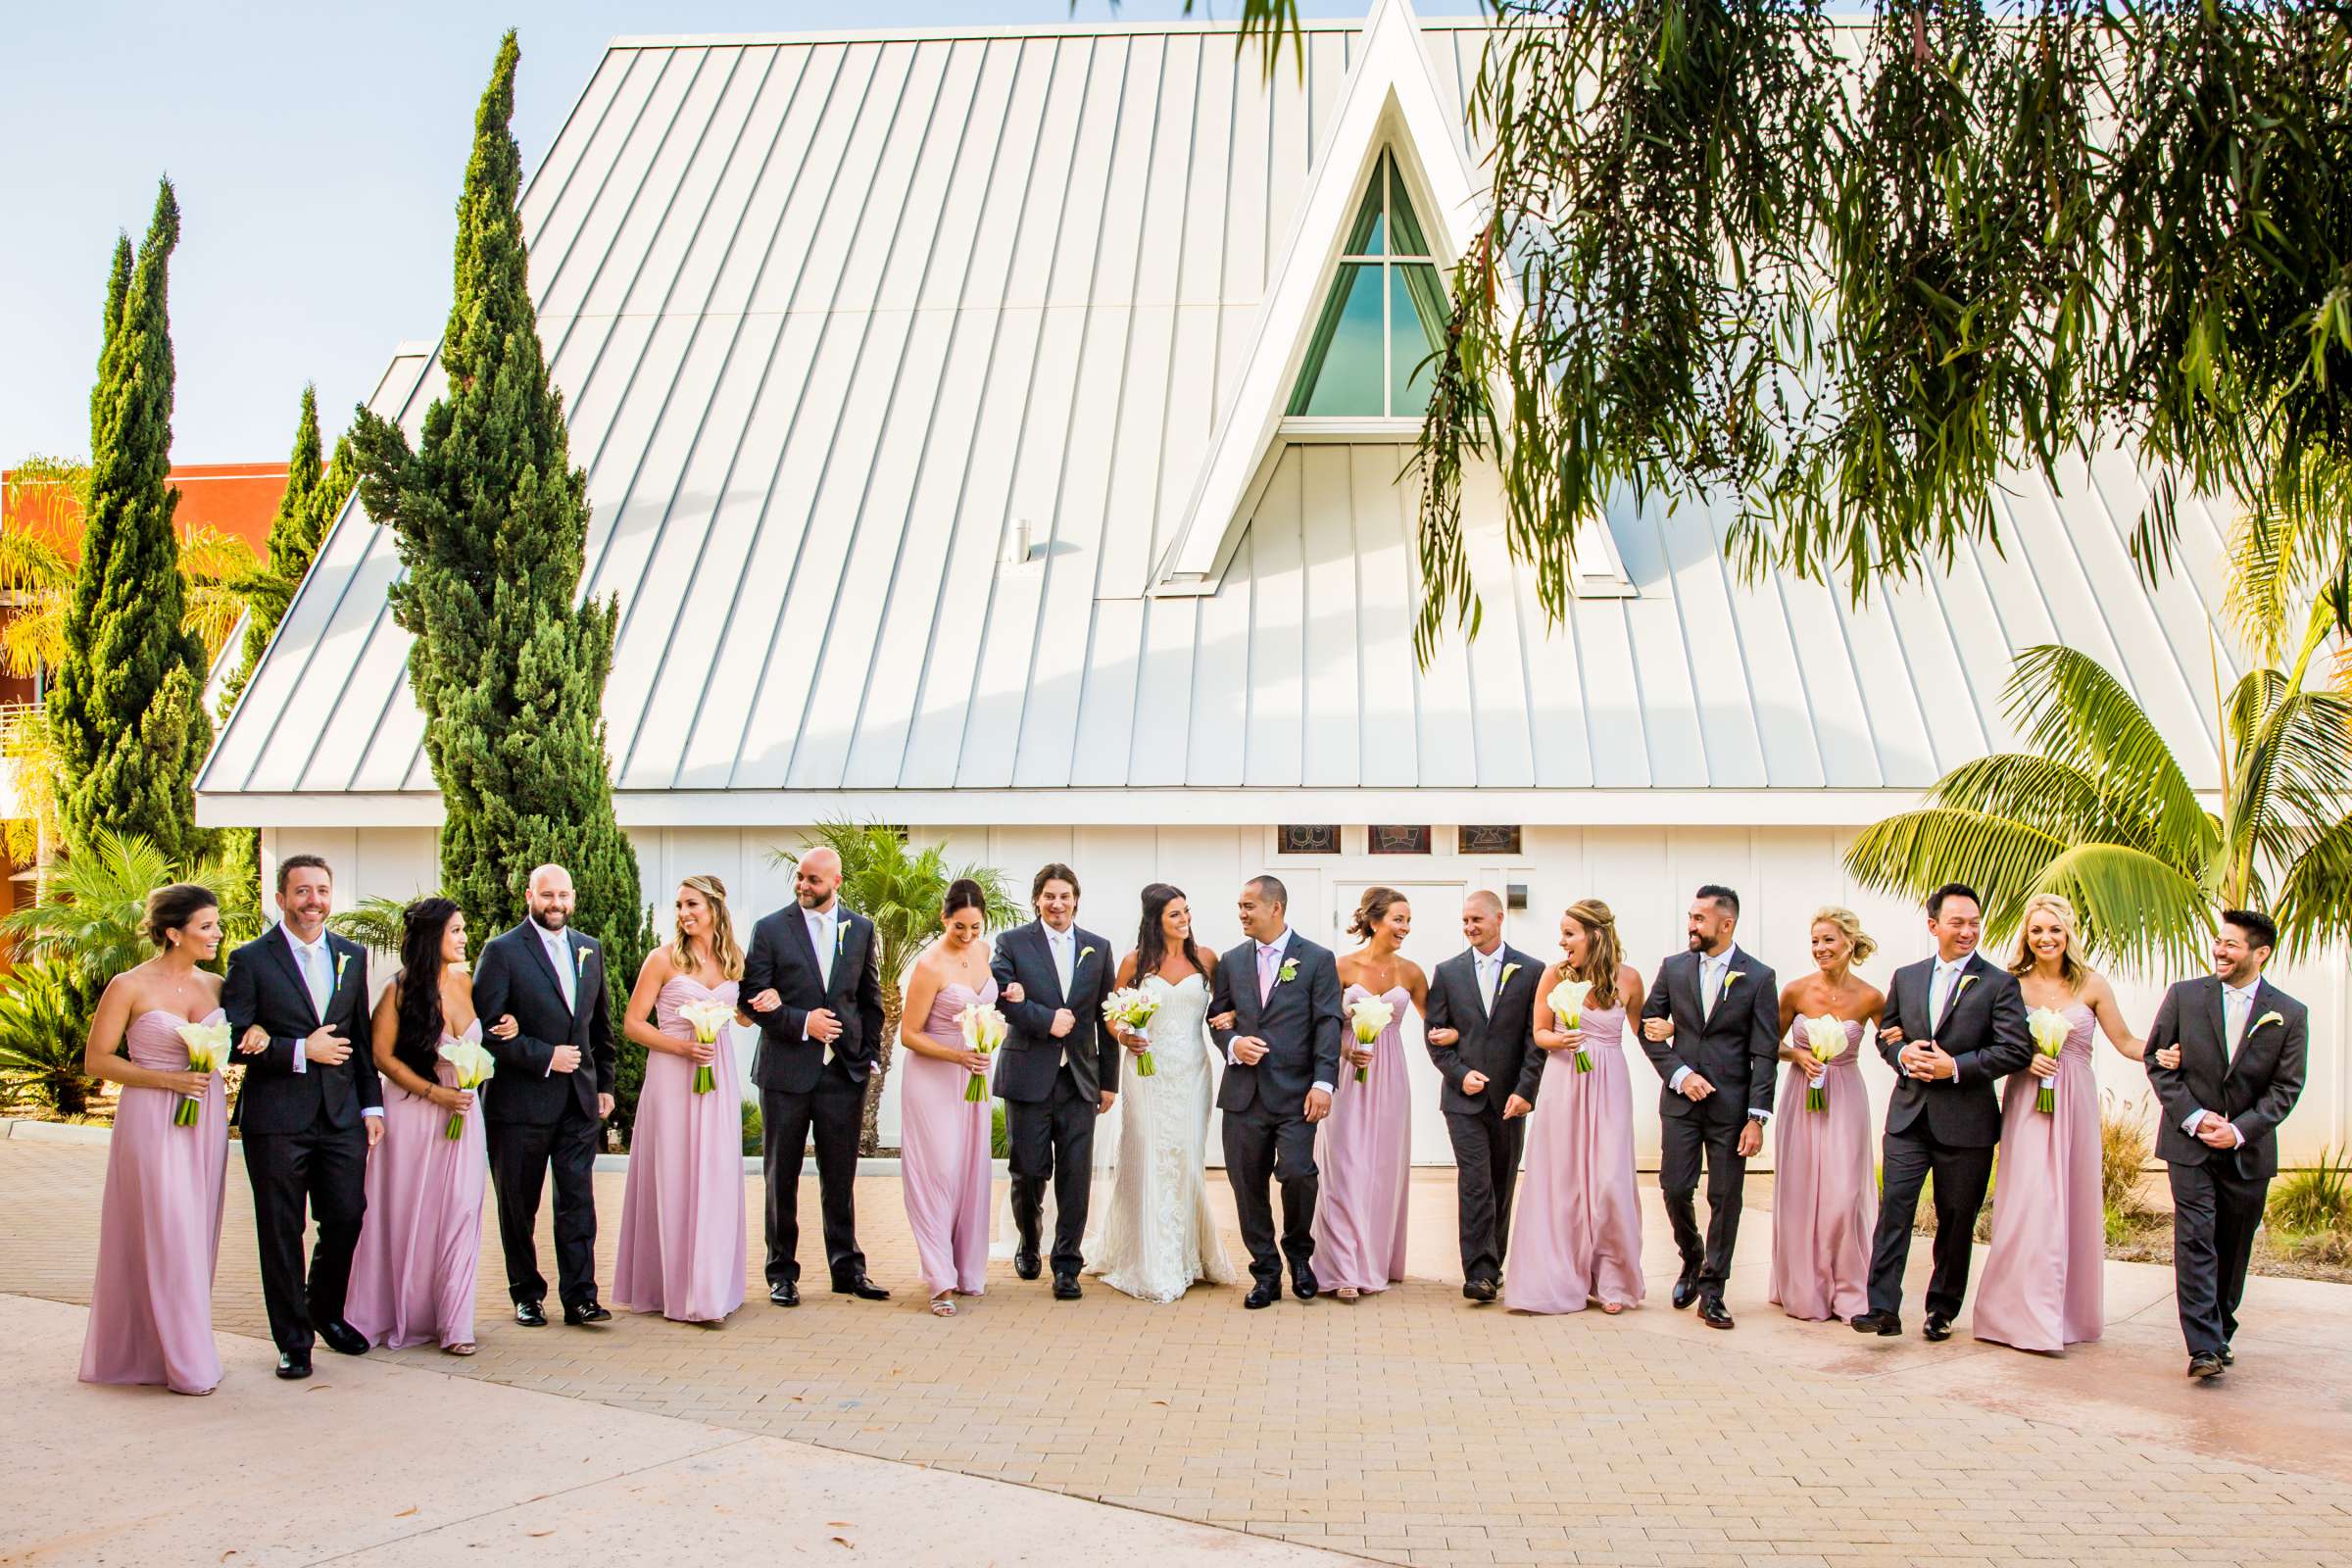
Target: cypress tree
<point>308,508</point>
<point>491,520</point>
<point>126,714</point>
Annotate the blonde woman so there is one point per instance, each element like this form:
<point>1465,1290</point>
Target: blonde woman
<point>1578,1233</point>
<point>1825,1201</point>
<point>2043,1283</point>
<point>681,1225</point>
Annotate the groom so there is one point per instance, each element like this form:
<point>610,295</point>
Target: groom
<point>1060,1060</point>
<point>1283,1056</point>
<point>1480,1035</point>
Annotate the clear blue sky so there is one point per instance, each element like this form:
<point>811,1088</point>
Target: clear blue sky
<point>318,150</point>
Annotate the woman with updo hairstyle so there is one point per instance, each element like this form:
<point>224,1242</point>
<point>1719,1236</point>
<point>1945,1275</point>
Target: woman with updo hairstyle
<point>413,1272</point>
<point>1825,1191</point>
<point>1364,1148</point>
<point>944,1151</point>
<point>681,1251</point>
<point>159,1222</point>
<point>1578,1236</point>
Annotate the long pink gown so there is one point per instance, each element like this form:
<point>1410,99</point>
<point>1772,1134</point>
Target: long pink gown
<point>159,1227</point>
<point>1578,1237</point>
<point>681,1251</point>
<point>2044,1284</point>
<point>944,1170</point>
<point>1824,1201</point>
<point>412,1278</point>
<point>1364,1150</point>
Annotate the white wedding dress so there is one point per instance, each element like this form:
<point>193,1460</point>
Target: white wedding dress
<point>1155,1237</point>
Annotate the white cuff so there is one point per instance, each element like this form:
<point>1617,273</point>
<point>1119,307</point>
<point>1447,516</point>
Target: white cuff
<point>1756,1114</point>
<point>2192,1121</point>
<point>378,1112</point>
<point>1326,1087</point>
<point>300,1060</point>
<point>1675,1081</point>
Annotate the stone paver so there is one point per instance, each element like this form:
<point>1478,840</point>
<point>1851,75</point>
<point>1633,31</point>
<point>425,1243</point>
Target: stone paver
<point>1412,1428</point>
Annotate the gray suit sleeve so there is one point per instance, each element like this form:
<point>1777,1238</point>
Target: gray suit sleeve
<point>1330,1021</point>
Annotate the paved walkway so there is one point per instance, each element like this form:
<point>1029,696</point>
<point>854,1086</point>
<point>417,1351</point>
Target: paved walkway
<point>1410,1428</point>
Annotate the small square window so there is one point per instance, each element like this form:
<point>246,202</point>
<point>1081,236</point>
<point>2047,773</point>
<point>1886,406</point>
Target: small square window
<point>1398,840</point>
<point>1491,840</point>
<point>1314,838</point>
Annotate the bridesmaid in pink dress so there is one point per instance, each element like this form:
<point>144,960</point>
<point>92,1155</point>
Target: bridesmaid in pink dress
<point>1364,1148</point>
<point>411,1275</point>
<point>159,1224</point>
<point>943,1137</point>
<point>2044,1282</point>
<point>1578,1236</point>
<point>1825,1193</point>
<point>681,1251</point>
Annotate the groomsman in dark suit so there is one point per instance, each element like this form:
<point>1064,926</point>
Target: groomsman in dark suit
<point>1282,1058</point>
<point>1060,1071</point>
<point>311,1110</point>
<point>1712,1028</point>
<point>812,980</point>
<point>1480,1035</point>
<point>1953,1029</point>
<point>545,1108</point>
<point>2243,1043</point>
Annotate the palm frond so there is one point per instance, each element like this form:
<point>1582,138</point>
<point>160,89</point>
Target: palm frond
<point>89,919</point>
<point>1915,852</point>
<point>209,556</point>
<point>2075,712</point>
<point>213,613</point>
<point>2314,897</point>
<point>2051,796</point>
<point>33,639</point>
<point>2136,912</point>
<point>377,923</point>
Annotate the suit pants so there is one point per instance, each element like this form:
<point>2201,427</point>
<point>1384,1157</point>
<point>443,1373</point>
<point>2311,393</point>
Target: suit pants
<point>1684,1142</point>
<point>521,1156</point>
<point>1052,1139</point>
<point>1262,1144</point>
<point>835,1110</point>
<point>325,1167</point>
<point>1485,1162</point>
<point>2215,1214</point>
<point>1962,1173</point>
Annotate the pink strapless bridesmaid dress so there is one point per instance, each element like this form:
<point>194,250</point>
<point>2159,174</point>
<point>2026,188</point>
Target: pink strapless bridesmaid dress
<point>411,1277</point>
<point>681,1251</point>
<point>1578,1235</point>
<point>944,1170</point>
<point>2045,1284</point>
<point>1364,1150</point>
<point>1825,1198</point>
<point>159,1227</point>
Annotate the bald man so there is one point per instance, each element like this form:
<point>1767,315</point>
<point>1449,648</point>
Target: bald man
<point>1480,1034</point>
<point>545,1108</point>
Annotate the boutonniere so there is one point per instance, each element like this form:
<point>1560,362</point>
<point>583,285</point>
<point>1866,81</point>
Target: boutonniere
<point>342,958</point>
<point>579,960</point>
<point>1082,954</point>
<point>1965,981</point>
<point>1729,976</point>
<point>1288,971</point>
<point>1508,970</point>
<point>2268,1018</point>
<point>841,935</point>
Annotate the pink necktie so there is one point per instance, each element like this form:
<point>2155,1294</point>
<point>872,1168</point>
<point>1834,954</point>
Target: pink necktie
<point>1265,973</point>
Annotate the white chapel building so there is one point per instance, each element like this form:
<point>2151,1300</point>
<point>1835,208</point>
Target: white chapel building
<point>1005,432</point>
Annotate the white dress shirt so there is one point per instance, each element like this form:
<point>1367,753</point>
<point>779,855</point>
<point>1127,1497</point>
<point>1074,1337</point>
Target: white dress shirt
<point>1940,984</point>
<point>1062,946</point>
<point>1712,968</point>
<point>316,962</point>
<point>1274,947</point>
<point>2238,1015</point>
<point>1488,968</point>
<point>824,926</point>
<point>559,955</point>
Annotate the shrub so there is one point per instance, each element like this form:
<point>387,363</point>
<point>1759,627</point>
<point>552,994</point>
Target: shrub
<point>2125,1142</point>
<point>751,1132</point>
<point>41,1040</point>
<point>1923,1223</point>
<point>999,1145</point>
<point>2316,1200</point>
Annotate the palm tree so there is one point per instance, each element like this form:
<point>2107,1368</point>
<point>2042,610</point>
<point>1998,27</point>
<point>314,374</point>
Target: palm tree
<point>2101,812</point>
<point>900,890</point>
<point>42,1031</point>
<point>87,922</point>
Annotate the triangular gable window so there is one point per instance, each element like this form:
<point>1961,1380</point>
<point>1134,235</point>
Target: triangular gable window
<point>1370,357</point>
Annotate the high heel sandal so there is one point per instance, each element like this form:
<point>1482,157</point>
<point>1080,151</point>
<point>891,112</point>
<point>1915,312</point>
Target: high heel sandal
<point>459,1349</point>
<point>943,1306</point>
<point>1347,1292</point>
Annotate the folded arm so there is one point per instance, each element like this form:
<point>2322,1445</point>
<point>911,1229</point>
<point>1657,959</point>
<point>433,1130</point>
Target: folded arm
<point>785,1024</point>
<point>493,989</point>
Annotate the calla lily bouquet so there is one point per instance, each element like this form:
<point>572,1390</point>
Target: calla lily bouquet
<point>1131,1009</point>
<point>1824,1037</point>
<point>475,1066</point>
<point>983,1029</point>
<point>208,1048</point>
<point>706,1019</point>
<point>1567,1001</point>
<point>2049,1029</point>
<point>1368,1017</point>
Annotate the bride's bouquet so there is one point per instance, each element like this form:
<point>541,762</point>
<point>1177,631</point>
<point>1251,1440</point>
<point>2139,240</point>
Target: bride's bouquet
<point>1824,1037</point>
<point>1368,1017</point>
<point>983,1029</point>
<point>1131,1009</point>
<point>475,1067</point>
<point>1567,1001</point>
<point>208,1048</point>
<point>706,1019</point>
<point>2050,1028</point>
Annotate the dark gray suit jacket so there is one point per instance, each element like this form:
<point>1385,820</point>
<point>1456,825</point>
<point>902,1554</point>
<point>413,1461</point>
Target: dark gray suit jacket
<point>1501,1044</point>
<point>1736,1048</point>
<point>514,974</point>
<point>1033,1057</point>
<point>783,959</point>
<point>1301,1021</point>
<point>1983,1028</point>
<point>2254,1090</point>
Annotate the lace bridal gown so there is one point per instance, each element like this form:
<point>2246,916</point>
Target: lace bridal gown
<point>1157,1236</point>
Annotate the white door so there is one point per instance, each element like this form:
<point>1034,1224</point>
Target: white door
<point>1437,936</point>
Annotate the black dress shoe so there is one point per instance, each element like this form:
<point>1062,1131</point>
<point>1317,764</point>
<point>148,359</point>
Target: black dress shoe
<point>530,1314</point>
<point>864,1289</point>
<point>293,1368</point>
<point>1880,1323</point>
<point>2201,1367</point>
<point>585,1313</point>
<point>1936,1328</point>
<point>1025,1264</point>
<point>2228,1357</point>
<point>1265,1292</point>
<point>1686,1291</point>
<point>341,1338</point>
<point>1712,1314</point>
<point>786,1293</point>
<point>1479,1290</point>
<point>1065,1288</point>
<point>1302,1283</point>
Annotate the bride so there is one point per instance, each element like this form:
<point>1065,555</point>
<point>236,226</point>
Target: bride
<point>1158,1235</point>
